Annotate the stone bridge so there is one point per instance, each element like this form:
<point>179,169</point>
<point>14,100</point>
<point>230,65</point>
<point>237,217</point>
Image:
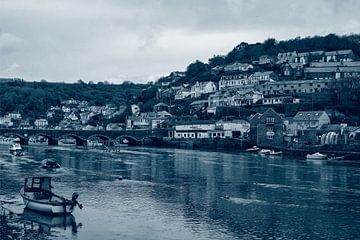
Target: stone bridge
<point>134,137</point>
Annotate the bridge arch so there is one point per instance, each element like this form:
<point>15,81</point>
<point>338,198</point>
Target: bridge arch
<point>23,139</point>
<point>79,140</point>
<point>130,140</point>
<point>51,140</point>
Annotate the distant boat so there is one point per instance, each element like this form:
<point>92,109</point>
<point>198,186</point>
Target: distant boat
<point>274,153</point>
<point>253,149</point>
<point>316,156</point>
<point>16,149</point>
<point>37,196</point>
<point>335,158</point>
<point>49,164</point>
<point>265,151</point>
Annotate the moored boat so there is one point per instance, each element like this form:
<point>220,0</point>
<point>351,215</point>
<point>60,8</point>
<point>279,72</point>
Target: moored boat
<point>265,151</point>
<point>274,153</point>
<point>37,196</point>
<point>316,156</point>
<point>253,149</point>
<point>49,164</point>
<point>16,149</point>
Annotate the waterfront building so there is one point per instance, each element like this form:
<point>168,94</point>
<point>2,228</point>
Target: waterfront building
<point>197,129</point>
<point>230,129</point>
<point>149,120</point>
<point>14,115</point>
<point>200,88</point>
<point>306,120</point>
<point>6,121</point>
<point>267,129</point>
<point>41,123</point>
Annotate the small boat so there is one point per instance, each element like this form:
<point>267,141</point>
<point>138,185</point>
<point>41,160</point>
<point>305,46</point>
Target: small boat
<point>253,149</point>
<point>16,149</point>
<point>265,151</point>
<point>37,196</point>
<point>335,158</point>
<point>316,156</point>
<point>49,164</point>
<point>274,153</point>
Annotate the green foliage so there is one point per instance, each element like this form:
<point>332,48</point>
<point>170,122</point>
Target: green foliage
<point>33,99</point>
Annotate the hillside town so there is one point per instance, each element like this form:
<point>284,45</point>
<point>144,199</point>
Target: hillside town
<point>268,103</point>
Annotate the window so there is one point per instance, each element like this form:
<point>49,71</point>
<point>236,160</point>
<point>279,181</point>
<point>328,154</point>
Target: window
<point>270,120</point>
<point>270,137</point>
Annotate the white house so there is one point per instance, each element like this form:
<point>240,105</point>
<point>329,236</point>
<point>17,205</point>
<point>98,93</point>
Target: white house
<point>235,81</point>
<point>243,67</point>
<point>246,97</point>
<point>264,76</point>
<point>198,129</point>
<point>41,123</point>
<point>200,88</point>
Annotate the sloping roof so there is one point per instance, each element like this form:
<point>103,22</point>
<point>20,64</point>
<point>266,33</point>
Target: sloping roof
<point>309,115</point>
<point>349,51</point>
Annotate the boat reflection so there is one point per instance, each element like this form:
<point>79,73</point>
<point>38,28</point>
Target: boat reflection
<point>43,223</point>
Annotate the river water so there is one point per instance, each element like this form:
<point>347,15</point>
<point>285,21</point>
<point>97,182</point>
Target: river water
<point>179,194</point>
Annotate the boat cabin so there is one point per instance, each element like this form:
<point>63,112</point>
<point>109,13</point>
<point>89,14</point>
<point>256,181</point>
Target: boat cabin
<point>40,186</point>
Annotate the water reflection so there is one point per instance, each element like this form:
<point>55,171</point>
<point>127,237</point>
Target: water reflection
<point>44,223</point>
<point>179,194</point>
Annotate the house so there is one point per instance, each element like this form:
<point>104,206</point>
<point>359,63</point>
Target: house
<point>339,56</point>
<point>262,77</point>
<point>292,71</point>
<point>66,109</point>
<point>72,117</point>
<point>279,100</point>
<point>196,129</point>
<point>309,57</point>
<point>245,97</point>
<point>149,120</point>
<point>298,86</point>
<point>230,129</point>
<point>333,70</point>
<point>235,81</point>
<point>198,106</point>
<point>6,121</point>
<point>15,115</point>
<point>309,120</point>
<point>182,93</point>
<point>41,123</point>
<point>115,126</point>
<point>286,57</point>
<point>267,60</point>
<point>242,67</point>
<point>200,88</point>
<point>160,107</point>
<point>218,99</point>
<point>267,129</point>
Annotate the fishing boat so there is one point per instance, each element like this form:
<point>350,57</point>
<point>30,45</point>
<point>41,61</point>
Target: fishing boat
<point>316,156</point>
<point>16,149</point>
<point>335,158</point>
<point>37,196</point>
<point>49,164</point>
<point>253,149</point>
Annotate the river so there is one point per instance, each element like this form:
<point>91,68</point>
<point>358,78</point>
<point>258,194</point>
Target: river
<point>179,194</point>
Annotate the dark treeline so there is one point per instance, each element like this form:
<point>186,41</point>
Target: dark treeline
<point>33,99</point>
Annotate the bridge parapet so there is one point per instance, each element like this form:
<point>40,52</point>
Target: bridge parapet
<point>83,135</point>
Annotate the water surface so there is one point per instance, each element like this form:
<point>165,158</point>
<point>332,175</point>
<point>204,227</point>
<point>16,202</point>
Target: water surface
<point>179,194</point>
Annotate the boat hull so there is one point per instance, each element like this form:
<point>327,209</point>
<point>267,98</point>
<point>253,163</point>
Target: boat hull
<point>47,206</point>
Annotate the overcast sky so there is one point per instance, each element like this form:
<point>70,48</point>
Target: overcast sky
<point>136,40</point>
